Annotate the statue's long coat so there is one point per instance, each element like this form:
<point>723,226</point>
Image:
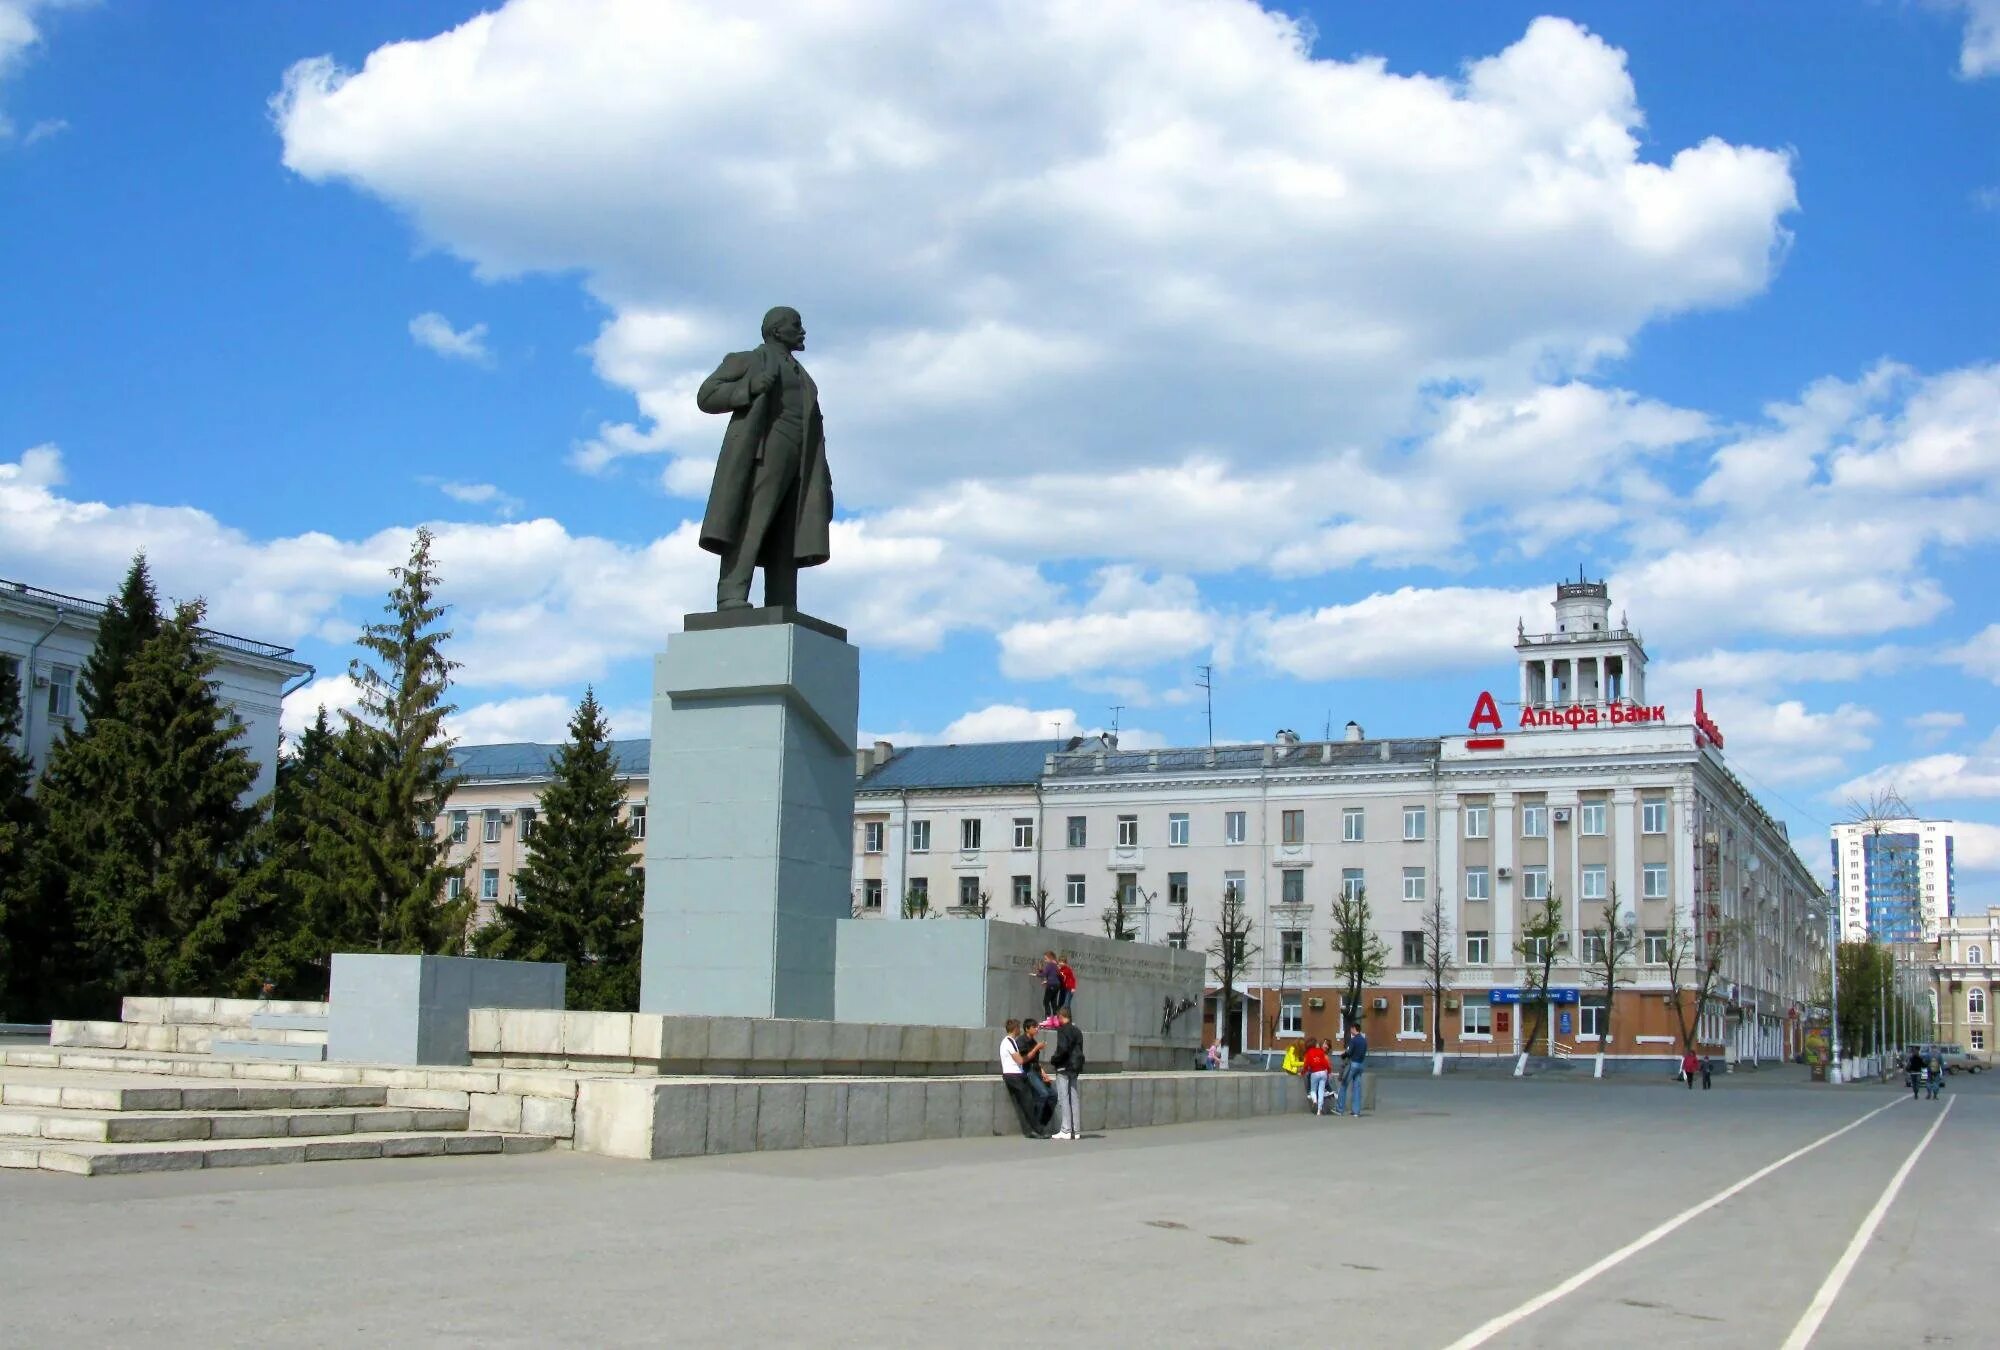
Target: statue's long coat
<point>736,470</point>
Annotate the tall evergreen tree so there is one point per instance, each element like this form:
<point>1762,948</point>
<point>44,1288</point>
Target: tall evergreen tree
<point>291,951</point>
<point>17,811</point>
<point>147,827</point>
<point>580,900</point>
<point>373,876</point>
<point>131,620</point>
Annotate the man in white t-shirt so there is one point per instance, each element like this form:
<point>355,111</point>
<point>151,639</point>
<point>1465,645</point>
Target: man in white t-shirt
<point>1015,1077</point>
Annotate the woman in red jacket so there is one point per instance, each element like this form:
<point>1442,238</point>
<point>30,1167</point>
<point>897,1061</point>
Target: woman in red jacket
<point>1317,1067</point>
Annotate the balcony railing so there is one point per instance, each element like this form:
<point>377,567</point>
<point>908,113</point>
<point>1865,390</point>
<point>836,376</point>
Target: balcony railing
<point>96,609</point>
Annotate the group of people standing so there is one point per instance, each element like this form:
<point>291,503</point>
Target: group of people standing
<point>1322,1068</point>
<point>1042,1085</point>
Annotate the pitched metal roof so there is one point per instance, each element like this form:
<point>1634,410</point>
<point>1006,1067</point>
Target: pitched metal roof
<point>514,760</point>
<point>992,764</point>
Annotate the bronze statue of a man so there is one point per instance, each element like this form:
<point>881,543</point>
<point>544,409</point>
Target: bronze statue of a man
<point>771,504</point>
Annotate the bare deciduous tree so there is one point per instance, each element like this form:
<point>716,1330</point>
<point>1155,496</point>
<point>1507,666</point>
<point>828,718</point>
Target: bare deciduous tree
<point>1359,954</point>
<point>1229,953</point>
<point>1541,940</point>
<point>1614,946</point>
<point>1440,964</point>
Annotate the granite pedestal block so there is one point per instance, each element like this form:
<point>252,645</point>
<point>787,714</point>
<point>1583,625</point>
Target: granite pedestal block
<point>750,819</point>
<point>417,1009</point>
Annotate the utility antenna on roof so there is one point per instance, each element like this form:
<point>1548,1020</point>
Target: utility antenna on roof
<point>1116,708</point>
<point>1207,685</point>
<point>1058,726</point>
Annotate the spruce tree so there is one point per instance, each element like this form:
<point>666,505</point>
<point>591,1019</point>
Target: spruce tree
<point>131,620</point>
<point>291,952</point>
<point>580,900</point>
<point>373,877</point>
<point>147,828</point>
<point>17,811</point>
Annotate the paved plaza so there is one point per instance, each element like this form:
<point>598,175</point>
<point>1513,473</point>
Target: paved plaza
<point>1461,1206</point>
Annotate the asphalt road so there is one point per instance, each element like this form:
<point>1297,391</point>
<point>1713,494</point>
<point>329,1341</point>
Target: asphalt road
<point>1458,1205</point>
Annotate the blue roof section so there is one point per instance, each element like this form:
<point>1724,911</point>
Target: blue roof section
<point>527,759</point>
<point>993,764</point>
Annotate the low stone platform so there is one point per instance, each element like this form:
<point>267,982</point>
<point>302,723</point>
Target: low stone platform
<point>688,1117</point>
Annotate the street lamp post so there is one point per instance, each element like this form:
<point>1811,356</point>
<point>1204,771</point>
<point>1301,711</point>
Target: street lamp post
<point>1833,1011</point>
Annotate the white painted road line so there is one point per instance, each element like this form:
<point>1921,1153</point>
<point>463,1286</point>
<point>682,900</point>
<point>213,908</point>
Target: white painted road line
<point>1486,1331</point>
<point>1822,1303</point>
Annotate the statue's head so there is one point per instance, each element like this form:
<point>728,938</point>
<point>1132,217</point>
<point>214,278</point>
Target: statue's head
<point>783,325</point>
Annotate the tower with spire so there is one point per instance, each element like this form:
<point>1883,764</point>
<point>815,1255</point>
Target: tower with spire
<point>1585,662</point>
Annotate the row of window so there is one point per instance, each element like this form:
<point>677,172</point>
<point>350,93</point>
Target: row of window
<point>1479,948</point>
<point>1535,819</point>
<point>489,824</point>
<point>1475,1018</point>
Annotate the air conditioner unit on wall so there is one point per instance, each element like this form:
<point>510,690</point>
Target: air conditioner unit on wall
<point>1381,1005</point>
<point>1316,1003</point>
<point>1504,873</point>
<point>1561,814</point>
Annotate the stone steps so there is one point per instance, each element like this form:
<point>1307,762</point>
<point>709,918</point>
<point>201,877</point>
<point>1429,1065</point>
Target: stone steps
<point>309,1052</point>
<point>76,1091</point>
<point>69,1124</point>
<point>114,1159</point>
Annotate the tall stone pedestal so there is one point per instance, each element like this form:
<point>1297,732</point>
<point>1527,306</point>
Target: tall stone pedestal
<point>749,850</point>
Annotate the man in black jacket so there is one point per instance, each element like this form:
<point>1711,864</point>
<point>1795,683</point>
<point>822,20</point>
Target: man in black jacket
<point>1068,1063</point>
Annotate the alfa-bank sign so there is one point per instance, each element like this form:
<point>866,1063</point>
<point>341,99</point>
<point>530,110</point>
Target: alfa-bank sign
<point>1486,717</point>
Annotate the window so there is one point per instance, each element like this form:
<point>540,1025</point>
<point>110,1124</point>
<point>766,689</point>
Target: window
<point>1535,950</point>
<point>1353,824</point>
<point>1073,890</point>
<point>968,892</point>
<point>1128,887</point>
<point>968,835</point>
<point>1593,1022</point>
<point>1128,831</point>
<point>1655,879</point>
<point>454,886</point>
<point>1475,822</point>
<point>1975,1003</point>
<point>1478,884</point>
<point>489,884</point>
<point>1292,946</point>
<point>1352,883</point>
<point>1024,832</point>
<point>871,836</point>
<point>1478,948</point>
<point>871,893</point>
<point>636,817</point>
<point>458,827</point>
<point>1414,887</point>
<point>1656,946</point>
<point>1594,878</point>
<point>1476,1019</point>
<point>920,836</point>
<point>1079,832</point>
<point>489,826</point>
<point>62,690</point>
<point>1291,1015</point>
<point>1535,822</point>
<point>1233,886</point>
<point>1293,888</point>
<point>1023,891</point>
<point>1177,888</point>
<point>1413,1015</point>
<point>1593,948</point>
<point>1235,827</point>
<point>1590,818</point>
<point>1653,815</point>
<point>526,831</point>
<point>1972,954</point>
<point>1413,947</point>
<point>1413,822</point>
<point>1177,830</point>
<point>1978,1038</point>
<point>1178,941</point>
<point>1293,828</point>
<point>1534,883</point>
<point>918,897</point>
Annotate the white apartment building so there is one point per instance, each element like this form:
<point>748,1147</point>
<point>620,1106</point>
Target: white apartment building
<point>1577,789</point>
<point>49,636</point>
<point>1895,879</point>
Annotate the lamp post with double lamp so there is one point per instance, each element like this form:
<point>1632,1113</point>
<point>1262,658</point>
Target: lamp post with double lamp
<point>1833,1008</point>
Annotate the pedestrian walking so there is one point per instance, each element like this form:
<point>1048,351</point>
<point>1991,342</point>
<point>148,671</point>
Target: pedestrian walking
<point>1355,1056</point>
<point>1915,1069</point>
<point>1015,1079</point>
<point>1689,1067</point>
<point>1067,1061</point>
<point>1318,1068</point>
<point>1707,1064</point>
<point>1051,974</point>
<point>1934,1072</point>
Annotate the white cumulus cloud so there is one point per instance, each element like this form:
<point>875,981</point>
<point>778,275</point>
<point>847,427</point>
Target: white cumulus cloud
<point>433,331</point>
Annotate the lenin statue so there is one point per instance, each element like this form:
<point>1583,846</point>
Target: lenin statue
<point>771,505</point>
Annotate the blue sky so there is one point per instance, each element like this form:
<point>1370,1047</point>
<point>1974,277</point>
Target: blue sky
<point>1311,345</point>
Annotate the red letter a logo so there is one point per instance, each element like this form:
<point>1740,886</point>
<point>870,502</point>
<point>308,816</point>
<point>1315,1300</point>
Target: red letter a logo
<point>1485,713</point>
